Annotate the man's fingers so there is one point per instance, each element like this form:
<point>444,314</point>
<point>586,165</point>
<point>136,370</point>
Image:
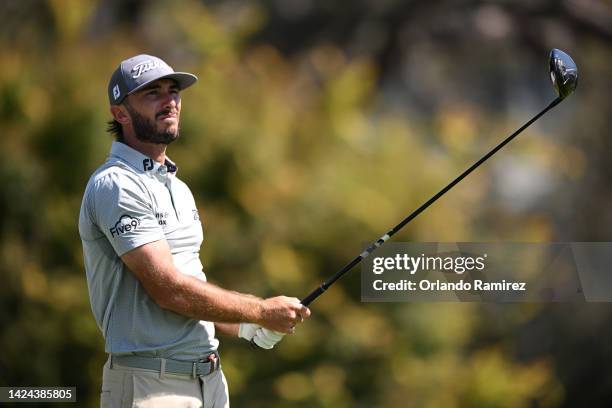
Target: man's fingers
<point>284,312</point>
<point>302,313</point>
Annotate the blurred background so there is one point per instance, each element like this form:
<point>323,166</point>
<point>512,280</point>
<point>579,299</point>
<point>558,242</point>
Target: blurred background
<point>314,127</point>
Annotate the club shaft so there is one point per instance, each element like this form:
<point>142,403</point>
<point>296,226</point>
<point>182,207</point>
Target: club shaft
<point>325,285</point>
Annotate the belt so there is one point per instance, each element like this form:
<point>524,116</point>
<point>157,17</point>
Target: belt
<point>166,365</point>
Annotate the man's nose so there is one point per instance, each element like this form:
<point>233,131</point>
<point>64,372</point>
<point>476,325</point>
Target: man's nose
<point>170,101</point>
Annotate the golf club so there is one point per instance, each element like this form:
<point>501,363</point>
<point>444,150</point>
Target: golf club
<point>564,77</point>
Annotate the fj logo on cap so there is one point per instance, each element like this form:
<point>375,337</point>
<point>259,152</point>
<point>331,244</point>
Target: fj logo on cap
<point>144,66</point>
<point>116,92</point>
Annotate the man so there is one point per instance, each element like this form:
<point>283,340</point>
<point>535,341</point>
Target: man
<point>141,236</point>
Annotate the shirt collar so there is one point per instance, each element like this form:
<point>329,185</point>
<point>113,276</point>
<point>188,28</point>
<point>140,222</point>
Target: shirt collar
<point>140,162</point>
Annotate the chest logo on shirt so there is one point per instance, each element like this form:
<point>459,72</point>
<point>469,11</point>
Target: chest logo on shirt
<point>125,224</point>
<point>162,217</point>
<point>147,164</point>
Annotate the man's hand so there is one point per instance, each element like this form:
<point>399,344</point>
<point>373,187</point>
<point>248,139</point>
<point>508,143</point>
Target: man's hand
<point>282,313</point>
<point>279,317</point>
<point>267,339</point>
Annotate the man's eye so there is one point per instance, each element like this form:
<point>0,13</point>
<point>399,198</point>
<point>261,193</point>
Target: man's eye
<point>152,93</point>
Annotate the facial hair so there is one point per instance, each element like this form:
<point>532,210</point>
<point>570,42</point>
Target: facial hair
<point>146,130</point>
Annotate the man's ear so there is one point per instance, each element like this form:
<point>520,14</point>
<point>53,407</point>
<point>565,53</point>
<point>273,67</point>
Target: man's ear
<point>120,114</point>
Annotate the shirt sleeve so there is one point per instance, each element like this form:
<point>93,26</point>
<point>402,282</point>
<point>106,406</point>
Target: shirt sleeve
<point>123,211</point>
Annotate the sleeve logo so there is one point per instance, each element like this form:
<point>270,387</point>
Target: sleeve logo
<point>125,224</point>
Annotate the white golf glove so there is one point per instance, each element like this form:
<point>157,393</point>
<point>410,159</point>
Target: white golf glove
<point>262,337</point>
<point>247,330</point>
<point>267,339</point>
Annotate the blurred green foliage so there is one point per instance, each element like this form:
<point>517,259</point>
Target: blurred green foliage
<point>297,157</point>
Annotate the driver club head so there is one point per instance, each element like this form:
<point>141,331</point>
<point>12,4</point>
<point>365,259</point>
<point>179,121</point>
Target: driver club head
<point>563,73</point>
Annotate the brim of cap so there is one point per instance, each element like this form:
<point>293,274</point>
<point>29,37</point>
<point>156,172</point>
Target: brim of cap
<point>183,79</point>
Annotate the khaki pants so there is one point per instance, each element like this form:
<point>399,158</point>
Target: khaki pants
<point>139,388</point>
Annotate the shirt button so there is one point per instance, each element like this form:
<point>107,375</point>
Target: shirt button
<point>163,170</point>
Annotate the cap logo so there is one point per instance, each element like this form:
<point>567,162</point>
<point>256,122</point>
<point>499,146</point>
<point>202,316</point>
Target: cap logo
<point>144,66</point>
<point>116,92</point>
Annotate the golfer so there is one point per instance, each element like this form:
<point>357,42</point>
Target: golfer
<point>141,235</point>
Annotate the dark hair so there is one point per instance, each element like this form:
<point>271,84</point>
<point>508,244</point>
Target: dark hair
<point>114,128</point>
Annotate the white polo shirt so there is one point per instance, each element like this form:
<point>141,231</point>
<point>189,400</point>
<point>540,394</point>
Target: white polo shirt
<point>130,201</point>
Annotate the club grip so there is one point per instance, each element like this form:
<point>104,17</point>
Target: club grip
<point>312,296</point>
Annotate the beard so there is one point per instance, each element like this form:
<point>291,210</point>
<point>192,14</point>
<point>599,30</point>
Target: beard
<point>146,130</point>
